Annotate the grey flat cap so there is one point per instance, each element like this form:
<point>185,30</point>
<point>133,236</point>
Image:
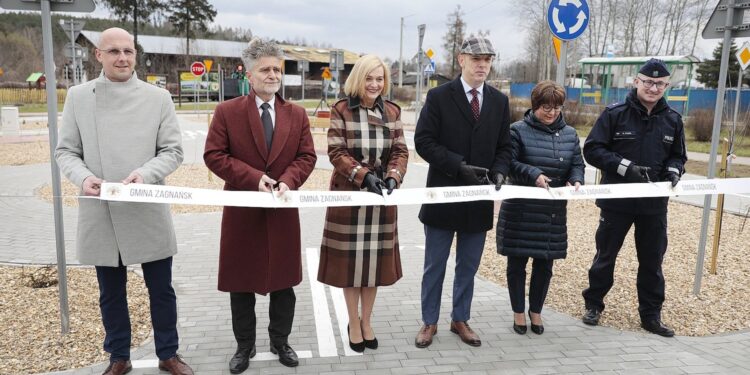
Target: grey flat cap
<point>477,46</point>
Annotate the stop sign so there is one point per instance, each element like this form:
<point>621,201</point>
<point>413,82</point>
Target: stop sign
<point>197,68</point>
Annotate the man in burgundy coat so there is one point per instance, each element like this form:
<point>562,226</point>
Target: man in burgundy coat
<point>259,142</point>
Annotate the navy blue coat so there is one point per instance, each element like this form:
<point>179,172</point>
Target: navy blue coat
<point>627,131</point>
<point>535,227</point>
<point>446,135</point>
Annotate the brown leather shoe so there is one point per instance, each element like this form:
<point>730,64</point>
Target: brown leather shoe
<point>175,366</point>
<point>118,367</point>
<point>467,335</point>
<point>424,336</point>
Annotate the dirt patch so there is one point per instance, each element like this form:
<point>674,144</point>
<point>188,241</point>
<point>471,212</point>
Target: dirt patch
<point>30,318</point>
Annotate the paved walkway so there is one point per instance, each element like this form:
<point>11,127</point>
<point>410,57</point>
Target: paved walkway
<point>567,346</point>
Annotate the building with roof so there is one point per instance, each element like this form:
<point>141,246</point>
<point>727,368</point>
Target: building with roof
<point>167,55</point>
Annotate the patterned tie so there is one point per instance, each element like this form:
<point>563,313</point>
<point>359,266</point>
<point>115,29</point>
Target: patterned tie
<point>475,103</point>
<point>267,124</point>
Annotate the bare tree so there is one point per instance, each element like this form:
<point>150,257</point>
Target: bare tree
<point>453,38</point>
<point>700,12</point>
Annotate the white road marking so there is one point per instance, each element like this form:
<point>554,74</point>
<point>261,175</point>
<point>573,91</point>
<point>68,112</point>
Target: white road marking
<point>323,326</point>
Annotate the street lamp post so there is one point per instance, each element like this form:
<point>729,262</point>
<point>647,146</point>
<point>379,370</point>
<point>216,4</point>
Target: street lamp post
<point>401,54</point>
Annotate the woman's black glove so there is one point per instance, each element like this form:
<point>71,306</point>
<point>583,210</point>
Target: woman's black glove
<point>390,184</point>
<point>373,184</point>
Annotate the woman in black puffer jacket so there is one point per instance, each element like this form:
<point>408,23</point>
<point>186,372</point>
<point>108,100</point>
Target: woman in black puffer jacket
<point>546,153</point>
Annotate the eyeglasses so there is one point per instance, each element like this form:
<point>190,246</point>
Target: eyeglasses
<point>115,52</point>
<point>661,85</point>
<point>548,108</point>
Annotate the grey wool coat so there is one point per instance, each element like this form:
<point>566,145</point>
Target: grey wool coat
<point>110,129</point>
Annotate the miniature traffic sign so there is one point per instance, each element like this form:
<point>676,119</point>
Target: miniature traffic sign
<point>208,63</point>
<point>197,68</point>
<point>430,53</point>
<point>568,19</point>
<point>743,55</point>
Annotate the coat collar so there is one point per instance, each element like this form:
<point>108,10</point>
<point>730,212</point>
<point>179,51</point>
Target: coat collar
<point>354,101</point>
<point>281,127</point>
<point>131,83</point>
<point>530,119</point>
<point>459,96</point>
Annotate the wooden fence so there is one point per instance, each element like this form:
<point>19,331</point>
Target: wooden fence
<point>28,96</point>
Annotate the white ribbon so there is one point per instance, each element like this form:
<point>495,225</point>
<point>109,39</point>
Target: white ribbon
<point>184,195</point>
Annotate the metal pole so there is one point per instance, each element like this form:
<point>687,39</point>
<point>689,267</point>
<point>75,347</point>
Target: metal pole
<point>49,72</point>
<point>563,62</point>
<point>401,56</point>
<point>714,144</point>
<point>737,99</point>
<point>73,53</point>
<point>302,72</point>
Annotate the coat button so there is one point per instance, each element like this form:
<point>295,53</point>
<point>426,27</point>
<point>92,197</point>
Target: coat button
<point>561,159</point>
<point>553,215</point>
<point>557,134</point>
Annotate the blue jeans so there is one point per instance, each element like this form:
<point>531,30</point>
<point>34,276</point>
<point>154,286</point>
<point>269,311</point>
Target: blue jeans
<point>114,307</point>
<point>468,255</point>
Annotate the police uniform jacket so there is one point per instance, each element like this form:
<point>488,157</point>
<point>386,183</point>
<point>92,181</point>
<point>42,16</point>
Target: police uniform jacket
<point>536,227</point>
<point>626,133</point>
<point>446,135</point>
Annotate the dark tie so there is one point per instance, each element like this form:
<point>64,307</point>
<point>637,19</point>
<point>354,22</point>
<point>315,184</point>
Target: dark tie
<point>475,103</point>
<point>267,124</point>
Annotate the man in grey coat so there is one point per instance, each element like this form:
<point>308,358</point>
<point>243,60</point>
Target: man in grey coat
<point>118,128</point>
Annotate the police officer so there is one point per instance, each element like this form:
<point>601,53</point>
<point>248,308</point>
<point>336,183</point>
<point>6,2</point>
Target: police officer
<point>640,140</point>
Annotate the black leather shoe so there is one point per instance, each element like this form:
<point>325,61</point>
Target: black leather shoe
<point>591,317</point>
<point>358,347</point>
<point>538,329</point>
<point>241,359</point>
<point>521,330</point>
<point>287,356</point>
<point>657,327</point>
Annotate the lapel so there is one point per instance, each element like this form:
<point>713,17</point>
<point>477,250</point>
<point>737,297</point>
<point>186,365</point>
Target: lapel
<point>281,127</point>
<point>255,132</point>
<point>488,97</point>
<point>459,96</point>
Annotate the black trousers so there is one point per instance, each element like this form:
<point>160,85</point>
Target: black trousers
<point>650,245</point>
<point>113,303</point>
<point>280,312</point>
<point>541,274</point>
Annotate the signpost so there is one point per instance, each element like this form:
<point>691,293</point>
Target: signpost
<point>303,67</point>
<point>725,24</point>
<point>567,20</point>
<point>420,56</point>
<point>198,70</point>
<point>46,7</point>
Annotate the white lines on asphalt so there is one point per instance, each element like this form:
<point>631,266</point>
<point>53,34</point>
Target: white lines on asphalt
<point>323,326</point>
<point>193,134</point>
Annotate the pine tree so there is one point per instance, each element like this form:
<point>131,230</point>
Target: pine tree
<point>453,38</point>
<point>708,71</point>
<point>136,10</point>
<point>187,15</point>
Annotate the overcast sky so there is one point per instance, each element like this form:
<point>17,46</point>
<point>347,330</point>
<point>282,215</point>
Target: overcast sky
<point>372,26</point>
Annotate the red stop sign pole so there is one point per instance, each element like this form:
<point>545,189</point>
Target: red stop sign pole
<point>197,68</point>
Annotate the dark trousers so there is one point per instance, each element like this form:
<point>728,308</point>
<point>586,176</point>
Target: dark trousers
<point>114,307</point>
<point>469,249</point>
<point>650,245</point>
<point>280,312</point>
<point>541,274</point>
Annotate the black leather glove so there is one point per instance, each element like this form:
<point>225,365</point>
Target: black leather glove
<point>373,184</point>
<point>499,181</point>
<point>471,174</point>
<point>636,173</point>
<point>672,177</point>
<point>390,184</point>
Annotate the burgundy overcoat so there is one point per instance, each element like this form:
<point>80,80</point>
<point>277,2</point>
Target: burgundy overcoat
<point>260,248</point>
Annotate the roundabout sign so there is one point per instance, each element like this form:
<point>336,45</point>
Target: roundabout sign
<point>568,19</point>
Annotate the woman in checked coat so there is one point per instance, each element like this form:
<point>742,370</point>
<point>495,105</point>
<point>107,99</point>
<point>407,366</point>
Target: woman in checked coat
<point>366,146</point>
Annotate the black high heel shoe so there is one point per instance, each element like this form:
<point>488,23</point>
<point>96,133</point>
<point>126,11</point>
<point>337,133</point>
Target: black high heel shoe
<point>369,344</point>
<point>519,329</point>
<point>357,347</point>
<point>538,329</point>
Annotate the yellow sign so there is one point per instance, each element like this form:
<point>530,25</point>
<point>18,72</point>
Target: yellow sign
<point>430,53</point>
<point>188,76</point>
<point>557,43</point>
<point>326,73</point>
<point>208,63</point>
<point>1,71</point>
<point>743,55</point>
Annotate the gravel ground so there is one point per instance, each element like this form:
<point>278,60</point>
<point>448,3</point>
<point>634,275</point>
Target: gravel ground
<point>721,307</point>
<point>32,342</point>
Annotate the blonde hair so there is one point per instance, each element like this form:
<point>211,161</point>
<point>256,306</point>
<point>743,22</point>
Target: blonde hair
<point>355,84</point>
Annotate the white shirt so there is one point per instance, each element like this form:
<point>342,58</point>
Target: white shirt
<point>469,95</point>
<point>271,110</point>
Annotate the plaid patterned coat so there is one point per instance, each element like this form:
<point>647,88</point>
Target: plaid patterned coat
<point>360,244</point>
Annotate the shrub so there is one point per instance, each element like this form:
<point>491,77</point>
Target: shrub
<point>701,121</point>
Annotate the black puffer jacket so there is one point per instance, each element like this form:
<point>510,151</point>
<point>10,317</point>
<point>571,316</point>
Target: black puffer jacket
<point>533,227</point>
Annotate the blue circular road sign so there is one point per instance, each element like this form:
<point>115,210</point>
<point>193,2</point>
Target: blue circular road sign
<point>568,19</point>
